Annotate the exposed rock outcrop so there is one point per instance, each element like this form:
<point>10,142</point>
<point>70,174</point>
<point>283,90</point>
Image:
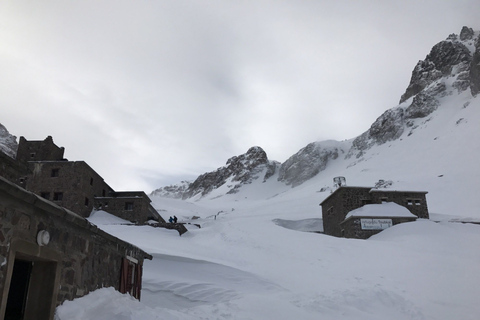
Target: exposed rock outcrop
<point>8,142</point>
<point>448,57</point>
<point>452,65</point>
<point>474,73</point>
<point>239,170</point>
<point>308,162</point>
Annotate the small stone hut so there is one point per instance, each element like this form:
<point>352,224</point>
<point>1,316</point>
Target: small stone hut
<point>49,254</point>
<point>345,199</point>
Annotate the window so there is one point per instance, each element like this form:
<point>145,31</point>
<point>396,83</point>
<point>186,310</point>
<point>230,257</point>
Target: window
<point>86,201</point>
<point>418,202</point>
<point>129,206</point>
<point>32,155</point>
<point>409,202</point>
<point>103,193</point>
<point>57,196</point>
<point>384,199</point>
<point>45,195</point>
<point>330,211</point>
<point>55,172</point>
<point>91,181</point>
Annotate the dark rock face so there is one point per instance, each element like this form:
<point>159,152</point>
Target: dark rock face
<point>475,70</point>
<point>423,104</point>
<point>440,62</point>
<point>466,34</point>
<point>454,57</point>
<point>307,163</point>
<point>239,170</point>
<point>8,142</point>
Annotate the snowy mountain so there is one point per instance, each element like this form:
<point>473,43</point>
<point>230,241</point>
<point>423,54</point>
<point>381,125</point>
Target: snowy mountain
<point>8,142</point>
<point>430,135</point>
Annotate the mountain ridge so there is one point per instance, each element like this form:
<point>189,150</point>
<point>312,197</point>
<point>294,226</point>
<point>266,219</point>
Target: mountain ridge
<point>450,69</point>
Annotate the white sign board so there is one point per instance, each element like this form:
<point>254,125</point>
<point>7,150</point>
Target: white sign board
<point>375,224</point>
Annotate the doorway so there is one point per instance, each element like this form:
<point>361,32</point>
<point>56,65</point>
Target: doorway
<point>17,294</point>
<point>31,291</point>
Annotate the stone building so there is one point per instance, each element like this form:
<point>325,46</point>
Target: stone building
<point>134,206</point>
<point>74,184</point>
<point>48,254</point>
<point>345,199</point>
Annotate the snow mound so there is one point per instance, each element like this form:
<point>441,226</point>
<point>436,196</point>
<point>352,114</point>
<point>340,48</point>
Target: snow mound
<point>305,225</point>
<point>389,209</point>
<point>104,218</point>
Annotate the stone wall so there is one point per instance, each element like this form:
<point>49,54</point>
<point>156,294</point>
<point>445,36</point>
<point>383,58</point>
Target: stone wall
<point>81,258</point>
<point>336,207</point>
<point>44,150</point>
<point>13,170</point>
<point>76,182</point>
<point>415,202</point>
<point>129,205</point>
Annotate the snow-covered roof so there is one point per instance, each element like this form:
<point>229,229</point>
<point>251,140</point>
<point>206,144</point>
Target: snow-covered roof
<point>389,209</point>
<point>391,190</point>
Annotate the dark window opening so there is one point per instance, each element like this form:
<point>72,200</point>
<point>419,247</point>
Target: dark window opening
<point>32,155</point>
<point>58,196</point>
<point>103,193</point>
<point>45,195</point>
<point>86,201</point>
<point>409,202</point>
<point>384,200</point>
<point>55,172</point>
<point>91,181</point>
<point>417,202</point>
<point>129,206</point>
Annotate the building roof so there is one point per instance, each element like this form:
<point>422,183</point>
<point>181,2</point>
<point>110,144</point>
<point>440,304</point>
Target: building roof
<point>372,189</point>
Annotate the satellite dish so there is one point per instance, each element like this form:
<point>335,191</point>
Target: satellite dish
<point>339,182</point>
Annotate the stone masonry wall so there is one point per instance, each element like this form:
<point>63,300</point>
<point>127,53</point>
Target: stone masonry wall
<point>44,150</point>
<point>78,183</point>
<point>89,258</point>
<point>339,204</point>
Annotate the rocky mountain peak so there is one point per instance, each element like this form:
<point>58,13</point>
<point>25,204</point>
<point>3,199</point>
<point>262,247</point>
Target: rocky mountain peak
<point>8,142</point>
<point>242,169</point>
<point>308,162</point>
<point>451,57</point>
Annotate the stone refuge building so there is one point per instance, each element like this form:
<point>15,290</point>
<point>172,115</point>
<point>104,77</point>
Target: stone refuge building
<point>343,200</point>
<point>74,184</point>
<point>48,254</point>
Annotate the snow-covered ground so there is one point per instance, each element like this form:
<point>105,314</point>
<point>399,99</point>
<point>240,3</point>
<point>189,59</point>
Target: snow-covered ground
<point>253,258</point>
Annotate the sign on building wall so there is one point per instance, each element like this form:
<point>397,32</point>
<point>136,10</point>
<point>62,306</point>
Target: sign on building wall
<point>375,224</point>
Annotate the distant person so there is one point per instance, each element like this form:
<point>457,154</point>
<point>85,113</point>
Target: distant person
<point>170,220</point>
<point>175,219</point>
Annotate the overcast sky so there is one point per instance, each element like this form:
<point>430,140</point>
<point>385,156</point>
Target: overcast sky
<point>149,93</point>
